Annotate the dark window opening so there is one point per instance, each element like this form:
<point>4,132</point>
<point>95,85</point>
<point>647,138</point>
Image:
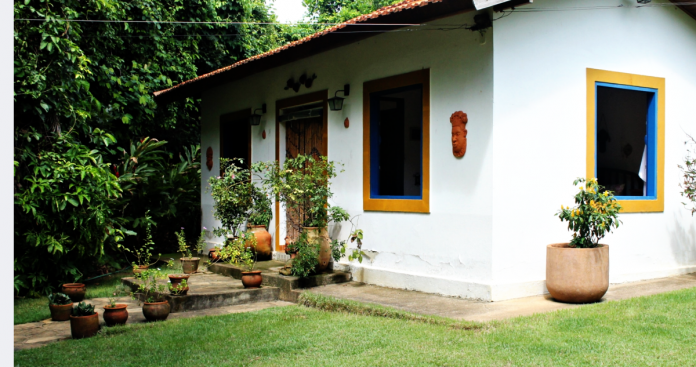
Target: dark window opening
<point>235,140</point>
<point>396,124</point>
<point>624,152</point>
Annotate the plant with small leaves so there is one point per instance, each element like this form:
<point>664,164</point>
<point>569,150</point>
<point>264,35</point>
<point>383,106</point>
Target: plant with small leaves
<point>59,299</point>
<point>357,237</point>
<point>307,257</point>
<point>119,291</point>
<point>83,309</point>
<point>201,241</point>
<point>150,286</point>
<point>143,254</point>
<point>689,172</point>
<point>594,215</point>
<point>179,288</point>
<point>183,248</point>
<point>233,196</point>
<point>261,213</point>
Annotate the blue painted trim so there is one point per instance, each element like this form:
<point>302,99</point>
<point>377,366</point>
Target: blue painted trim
<point>650,139</point>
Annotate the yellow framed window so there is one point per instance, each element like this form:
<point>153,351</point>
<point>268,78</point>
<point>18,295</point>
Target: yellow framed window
<point>626,137</point>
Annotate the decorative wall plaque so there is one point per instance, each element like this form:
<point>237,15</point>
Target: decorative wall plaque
<point>346,123</point>
<point>459,132</point>
<point>209,158</point>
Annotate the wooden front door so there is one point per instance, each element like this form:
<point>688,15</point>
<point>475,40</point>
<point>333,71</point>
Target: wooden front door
<point>305,136</point>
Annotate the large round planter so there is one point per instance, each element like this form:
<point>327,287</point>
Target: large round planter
<point>60,312</point>
<point>314,235</point>
<point>84,326</point>
<point>117,315</point>
<point>264,249</point>
<point>156,311</point>
<point>252,279</point>
<point>190,264</point>
<point>76,291</point>
<point>175,281</point>
<point>577,275</point>
<point>140,268</point>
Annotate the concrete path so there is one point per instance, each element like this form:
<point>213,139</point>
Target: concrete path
<point>37,334</point>
<point>458,308</point>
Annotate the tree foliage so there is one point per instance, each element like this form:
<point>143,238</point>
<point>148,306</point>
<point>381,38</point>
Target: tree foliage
<point>338,11</point>
<point>94,152</point>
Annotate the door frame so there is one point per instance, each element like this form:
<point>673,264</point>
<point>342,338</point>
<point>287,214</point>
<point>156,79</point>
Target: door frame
<point>320,96</point>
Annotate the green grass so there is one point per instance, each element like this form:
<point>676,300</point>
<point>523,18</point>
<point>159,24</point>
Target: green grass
<point>648,331</point>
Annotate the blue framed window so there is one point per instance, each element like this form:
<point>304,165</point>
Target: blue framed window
<point>626,135</point>
<point>396,143</point>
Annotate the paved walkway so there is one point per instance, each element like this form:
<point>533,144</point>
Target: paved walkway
<point>37,334</point>
<point>458,308</point>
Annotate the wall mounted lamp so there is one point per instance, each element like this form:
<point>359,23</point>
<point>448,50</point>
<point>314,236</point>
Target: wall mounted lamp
<point>255,119</point>
<point>336,103</point>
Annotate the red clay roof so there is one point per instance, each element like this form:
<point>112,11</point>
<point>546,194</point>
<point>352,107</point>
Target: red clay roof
<point>453,7</point>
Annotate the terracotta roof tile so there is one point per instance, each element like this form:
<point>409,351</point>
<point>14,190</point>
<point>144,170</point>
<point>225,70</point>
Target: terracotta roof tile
<point>404,5</point>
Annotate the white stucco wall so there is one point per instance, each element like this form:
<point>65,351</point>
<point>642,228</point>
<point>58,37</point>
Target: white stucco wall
<point>540,125</point>
<point>447,251</point>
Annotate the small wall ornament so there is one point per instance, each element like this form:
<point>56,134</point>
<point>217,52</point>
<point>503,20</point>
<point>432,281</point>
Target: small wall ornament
<point>304,80</point>
<point>209,158</point>
<point>346,123</point>
<point>459,132</point>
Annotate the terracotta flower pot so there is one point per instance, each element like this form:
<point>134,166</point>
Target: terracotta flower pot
<point>156,311</point>
<point>214,254</point>
<point>264,248</point>
<point>117,315</point>
<point>175,281</point>
<point>252,279</point>
<point>577,275</point>
<point>314,235</point>
<point>84,326</point>
<point>76,291</point>
<point>190,265</point>
<point>60,312</point>
<point>140,268</point>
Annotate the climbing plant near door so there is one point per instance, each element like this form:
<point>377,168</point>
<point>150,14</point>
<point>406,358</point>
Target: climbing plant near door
<point>594,215</point>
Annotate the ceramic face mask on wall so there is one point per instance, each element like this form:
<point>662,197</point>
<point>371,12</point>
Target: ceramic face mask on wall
<point>459,132</point>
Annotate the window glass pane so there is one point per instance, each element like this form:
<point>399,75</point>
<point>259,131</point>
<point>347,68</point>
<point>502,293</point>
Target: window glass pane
<point>396,124</point>
<point>622,140</point>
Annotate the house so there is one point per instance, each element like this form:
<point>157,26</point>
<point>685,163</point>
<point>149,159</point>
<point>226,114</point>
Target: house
<point>552,91</point>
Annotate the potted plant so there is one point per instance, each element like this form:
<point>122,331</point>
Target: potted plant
<point>116,313</point>
<point>233,196</point>
<point>578,272</point>
<point>143,254</point>
<point>189,264</point>
<point>240,252</point>
<point>61,306</point>
<point>76,291</point>
<point>155,307</point>
<point>84,321</point>
<point>302,184</point>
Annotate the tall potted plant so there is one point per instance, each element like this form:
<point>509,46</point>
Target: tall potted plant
<point>143,254</point>
<point>232,193</point>
<point>189,264</point>
<point>578,271</point>
<point>152,288</point>
<point>302,184</point>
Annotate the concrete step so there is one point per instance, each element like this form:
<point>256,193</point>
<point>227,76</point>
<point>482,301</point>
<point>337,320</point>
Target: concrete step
<point>211,291</point>
<point>289,286</point>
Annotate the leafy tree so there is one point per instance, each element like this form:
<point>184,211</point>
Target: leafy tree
<point>337,11</point>
<point>86,171</point>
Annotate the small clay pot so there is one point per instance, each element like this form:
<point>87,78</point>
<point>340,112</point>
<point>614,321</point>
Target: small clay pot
<point>84,326</point>
<point>190,265</point>
<point>117,315</point>
<point>60,312</point>
<point>76,291</point>
<point>175,281</point>
<point>214,254</point>
<point>252,279</point>
<point>140,268</point>
<point>156,311</point>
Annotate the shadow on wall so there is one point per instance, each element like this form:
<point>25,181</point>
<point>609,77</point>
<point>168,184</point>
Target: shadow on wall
<point>683,240</point>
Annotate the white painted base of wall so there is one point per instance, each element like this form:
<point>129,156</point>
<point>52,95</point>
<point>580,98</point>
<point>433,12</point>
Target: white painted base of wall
<point>478,290</point>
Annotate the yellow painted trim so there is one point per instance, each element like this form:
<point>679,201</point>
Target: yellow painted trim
<point>603,76</point>
<point>397,205</point>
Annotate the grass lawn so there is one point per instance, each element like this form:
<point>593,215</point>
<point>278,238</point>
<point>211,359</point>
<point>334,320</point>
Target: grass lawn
<point>648,331</point>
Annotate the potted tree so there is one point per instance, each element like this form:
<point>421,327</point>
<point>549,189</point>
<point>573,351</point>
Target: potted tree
<point>84,321</point>
<point>240,252</point>
<point>302,184</point>
<point>143,254</point>
<point>233,196</point>
<point>116,313</point>
<point>189,264</point>
<point>578,271</point>
<point>60,305</point>
<point>155,307</point>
